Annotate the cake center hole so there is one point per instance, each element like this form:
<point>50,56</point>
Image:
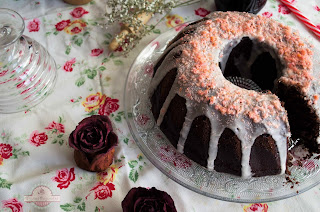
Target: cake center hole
<point>251,65</point>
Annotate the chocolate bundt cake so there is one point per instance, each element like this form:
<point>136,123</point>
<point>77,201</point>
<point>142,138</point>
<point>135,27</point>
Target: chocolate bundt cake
<point>225,127</point>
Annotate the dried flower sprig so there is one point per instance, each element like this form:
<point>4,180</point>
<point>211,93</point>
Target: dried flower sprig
<point>128,12</point>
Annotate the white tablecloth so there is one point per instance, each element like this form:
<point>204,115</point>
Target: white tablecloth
<point>34,144</point>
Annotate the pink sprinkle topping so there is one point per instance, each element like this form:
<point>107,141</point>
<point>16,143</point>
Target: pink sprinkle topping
<point>201,76</point>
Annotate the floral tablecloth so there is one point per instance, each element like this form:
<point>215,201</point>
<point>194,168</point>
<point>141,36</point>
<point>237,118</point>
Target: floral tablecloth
<point>34,151</point>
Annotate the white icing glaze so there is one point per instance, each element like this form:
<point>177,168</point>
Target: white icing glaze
<point>247,129</point>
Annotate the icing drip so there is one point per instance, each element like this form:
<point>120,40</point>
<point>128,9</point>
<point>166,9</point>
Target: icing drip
<point>186,126</point>
<point>166,104</point>
<point>216,131</point>
<point>200,81</point>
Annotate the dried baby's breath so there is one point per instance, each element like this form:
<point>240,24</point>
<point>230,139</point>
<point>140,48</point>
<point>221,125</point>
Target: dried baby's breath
<point>127,11</point>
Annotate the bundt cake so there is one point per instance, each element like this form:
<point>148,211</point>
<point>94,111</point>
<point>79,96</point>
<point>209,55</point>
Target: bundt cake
<point>220,125</point>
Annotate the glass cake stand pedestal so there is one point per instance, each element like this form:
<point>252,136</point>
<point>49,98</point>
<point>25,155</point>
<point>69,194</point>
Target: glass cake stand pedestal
<point>157,148</point>
<point>27,71</point>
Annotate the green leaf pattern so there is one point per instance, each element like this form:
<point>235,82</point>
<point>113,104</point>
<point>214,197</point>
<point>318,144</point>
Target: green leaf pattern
<point>67,207</point>
<point>78,203</point>
<point>136,166</point>
<point>119,116</point>
<point>56,136</point>
<point>5,184</point>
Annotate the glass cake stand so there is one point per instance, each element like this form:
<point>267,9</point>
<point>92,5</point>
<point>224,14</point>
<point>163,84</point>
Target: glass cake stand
<point>153,143</point>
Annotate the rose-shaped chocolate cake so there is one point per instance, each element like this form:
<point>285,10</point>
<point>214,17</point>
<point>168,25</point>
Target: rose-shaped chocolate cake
<point>94,142</point>
<point>146,200</point>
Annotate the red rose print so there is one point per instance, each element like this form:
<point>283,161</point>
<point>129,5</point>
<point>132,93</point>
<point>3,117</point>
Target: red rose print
<point>283,9</point>
<point>62,24</point>
<point>267,14</point>
<point>102,191</point>
<point>318,26</point>
<point>2,73</point>
<point>75,27</point>
<point>317,8</point>
<point>13,204</point>
<point>5,151</point>
<point>96,52</point>
<point>68,65</point>
<point>109,106</point>
<point>76,30</point>
<point>55,126</point>
<point>64,177</point>
<point>34,25</point>
<point>78,12</point>
<point>201,12</point>
<point>37,138</point>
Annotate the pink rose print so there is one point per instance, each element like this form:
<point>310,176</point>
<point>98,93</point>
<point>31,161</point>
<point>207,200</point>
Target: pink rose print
<point>148,69</point>
<point>20,85</point>
<point>168,154</point>
<point>62,24</point>
<point>33,87</point>
<point>109,106</point>
<point>310,165</point>
<point>78,12</point>
<point>257,207</point>
<point>267,14</point>
<point>5,151</point>
<point>68,65</point>
<point>13,204</point>
<point>34,25</point>
<point>102,191</point>
<point>37,138</point>
<point>57,127</point>
<point>2,73</point>
<point>317,8</point>
<point>64,177</point>
<point>284,9</point>
<point>201,12</point>
<point>143,119</point>
<point>96,52</point>
<point>180,27</point>
<point>156,44</point>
